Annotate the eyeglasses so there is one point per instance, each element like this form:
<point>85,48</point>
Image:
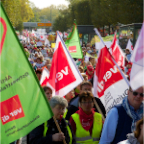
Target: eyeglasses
<point>136,93</point>
<point>87,102</point>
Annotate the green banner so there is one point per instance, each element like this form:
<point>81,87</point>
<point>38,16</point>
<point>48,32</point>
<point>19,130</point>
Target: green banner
<point>73,43</point>
<point>23,103</point>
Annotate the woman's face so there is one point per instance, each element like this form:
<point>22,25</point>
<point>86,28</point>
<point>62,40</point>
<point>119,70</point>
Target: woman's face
<point>48,94</point>
<point>58,110</point>
<point>87,105</point>
<point>38,61</point>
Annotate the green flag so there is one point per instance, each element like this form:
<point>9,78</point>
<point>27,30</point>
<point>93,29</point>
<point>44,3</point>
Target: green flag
<point>23,103</point>
<point>73,43</point>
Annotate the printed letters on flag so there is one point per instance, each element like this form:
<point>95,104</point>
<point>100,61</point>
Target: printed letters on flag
<point>64,75</point>
<point>23,104</point>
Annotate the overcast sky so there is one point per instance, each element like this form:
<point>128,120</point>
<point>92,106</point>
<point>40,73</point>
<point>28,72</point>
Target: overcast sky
<point>45,3</point>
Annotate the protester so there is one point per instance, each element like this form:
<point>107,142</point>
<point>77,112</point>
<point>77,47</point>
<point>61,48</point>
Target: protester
<point>38,73</point>
<point>90,72</point>
<point>69,96</point>
<point>48,132</point>
<point>74,104</point>
<point>48,92</point>
<point>81,69</point>
<point>122,118</point>
<point>86,123</point>
<point>128,54</point>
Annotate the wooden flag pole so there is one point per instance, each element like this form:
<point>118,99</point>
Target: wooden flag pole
<point>99,110</point>
<point>58,127</point>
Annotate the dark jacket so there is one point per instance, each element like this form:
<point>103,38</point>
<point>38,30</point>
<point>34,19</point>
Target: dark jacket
<point>74,106</point>
<point>36,136</point>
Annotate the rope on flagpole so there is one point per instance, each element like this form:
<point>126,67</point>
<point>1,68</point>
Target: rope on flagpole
<point>99,110</point>
<point>58,127</point>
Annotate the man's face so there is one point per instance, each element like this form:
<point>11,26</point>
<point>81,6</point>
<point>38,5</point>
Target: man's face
<point>135,100</point>
<point>90,72</point>
<point>86,88</point>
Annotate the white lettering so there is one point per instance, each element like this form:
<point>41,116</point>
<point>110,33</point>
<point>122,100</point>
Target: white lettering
<point>19,110</point>
<point>59,76</point>
<point>108,74</point>
<point>66,71</point>
<point>114,70</point>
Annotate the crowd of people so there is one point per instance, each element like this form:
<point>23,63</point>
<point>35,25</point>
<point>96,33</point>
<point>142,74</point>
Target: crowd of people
<point>79,119</point>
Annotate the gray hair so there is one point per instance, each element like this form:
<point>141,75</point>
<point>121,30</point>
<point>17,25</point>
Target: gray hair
<point>57,100</point>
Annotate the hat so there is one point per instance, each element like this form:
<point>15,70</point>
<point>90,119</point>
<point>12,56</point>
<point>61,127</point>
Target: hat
<point>90,68</point>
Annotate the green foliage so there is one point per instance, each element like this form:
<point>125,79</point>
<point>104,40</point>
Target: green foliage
<point>18,11</point>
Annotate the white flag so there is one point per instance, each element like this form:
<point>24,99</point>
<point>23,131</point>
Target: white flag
<point>137,58</point>
<point>129,46</point>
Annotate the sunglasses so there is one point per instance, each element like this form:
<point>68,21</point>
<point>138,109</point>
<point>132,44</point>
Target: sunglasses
<point>136,93</point>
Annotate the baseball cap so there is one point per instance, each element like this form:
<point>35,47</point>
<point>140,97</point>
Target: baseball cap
<point>90,68</point>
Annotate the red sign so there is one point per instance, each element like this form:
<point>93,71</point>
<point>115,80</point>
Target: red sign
<point>72,49</point>
<point>11,109</point>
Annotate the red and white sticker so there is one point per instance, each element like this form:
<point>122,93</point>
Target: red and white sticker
<point>11,109</point>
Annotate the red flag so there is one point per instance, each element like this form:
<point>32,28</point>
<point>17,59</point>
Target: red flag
<point>64,75</point>
<point>109,83</point>
<point>117,53</point>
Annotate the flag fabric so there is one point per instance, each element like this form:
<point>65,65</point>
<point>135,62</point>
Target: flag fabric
<point>47,42</point>
<point>23,103</point>
<point>73,43</point>
<point>61,34</point>
<point>65,35</point>
<point>110,84</point>
<point>137,58</point>
<point>64,75</point>
<point>117,52</point>
<point>129,46</point>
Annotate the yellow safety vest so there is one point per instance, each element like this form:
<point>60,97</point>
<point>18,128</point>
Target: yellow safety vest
<point>65,113</point>
<point>68,129</point>
<point>83,136</point>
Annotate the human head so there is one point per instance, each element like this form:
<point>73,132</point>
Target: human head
<point>86,101</point>
<point>58,105</point>
<point>138,133</point>
<point>49,66</point>
<point>81,69</point>
<point>38,60</point>
<point>90,69</point>
<point>129,65</point>
<point>48,92</point>
<point>70,95</point>
<point>85,86</point>
<point>135,101</point>
<point>84,76</point>
<point>127,51</point>
<point>38,73</point>
<point>48,61</point>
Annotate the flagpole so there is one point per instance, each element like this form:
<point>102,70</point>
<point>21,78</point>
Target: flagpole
<point>58,127</point>
<point>99,110</point>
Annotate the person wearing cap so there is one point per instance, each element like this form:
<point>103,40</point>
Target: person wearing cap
<point>128,54</point>
<point>90,71</point>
